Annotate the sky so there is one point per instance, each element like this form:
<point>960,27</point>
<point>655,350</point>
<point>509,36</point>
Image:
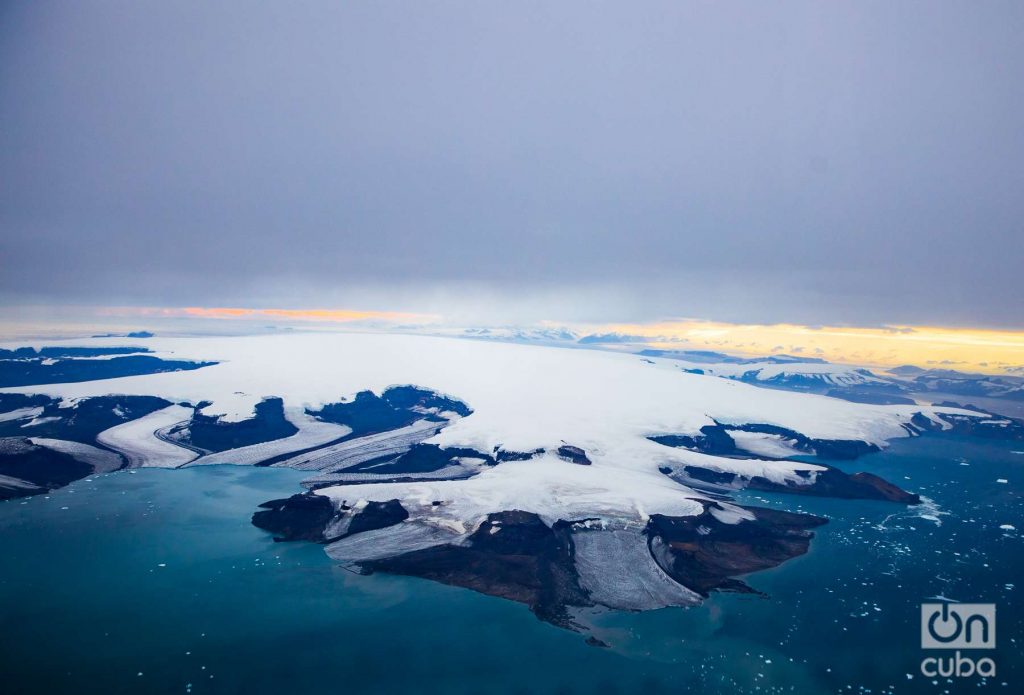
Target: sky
<point>812,164</point>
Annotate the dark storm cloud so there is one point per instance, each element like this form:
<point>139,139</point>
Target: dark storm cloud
<point>816,162</point>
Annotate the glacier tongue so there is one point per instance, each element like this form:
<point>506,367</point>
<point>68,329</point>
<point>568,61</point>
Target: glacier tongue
<point>617,569</point>
<point>390,542</point>
<point>312,433</point>
<point>138,439</point>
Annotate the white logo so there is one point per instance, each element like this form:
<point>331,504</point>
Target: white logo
<point>958,626</point>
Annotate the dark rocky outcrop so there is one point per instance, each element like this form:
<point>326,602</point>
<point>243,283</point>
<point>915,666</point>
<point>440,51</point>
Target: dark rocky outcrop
<point>43,468</point>
<point>397,407</point>
<point>502,455</point>
<point>86,418</point>
<point>995,427</point>
<point>706,475</point>
<point>715,441</point>
<point>421,458</point>
<point>48,469</point>
<point>573,454</point>
<point>29,353</point>
<point>413,397</point>
<point>828,482</point>
<point>513,555</point>
<point>376,515</point>
<point>15,401</point>
<point>834,449</point>
<point>211,433</point>
<point>28,372</point>
<point>705,554</point>
<point>300,517</point>
<point>307,517</point>
<point>368,413</point>
<point>842,449</point>
<point>833,482</point>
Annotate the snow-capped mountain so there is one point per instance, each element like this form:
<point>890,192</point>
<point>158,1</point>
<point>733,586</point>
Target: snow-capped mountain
<point>948,381</point>
<point>796,374</point>
<point>793,373</point>
<point>714,357</point>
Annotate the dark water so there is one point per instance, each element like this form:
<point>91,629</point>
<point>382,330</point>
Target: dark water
<point>159,573</point>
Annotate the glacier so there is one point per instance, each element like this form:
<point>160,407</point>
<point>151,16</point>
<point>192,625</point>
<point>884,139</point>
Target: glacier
<point>479,470</point>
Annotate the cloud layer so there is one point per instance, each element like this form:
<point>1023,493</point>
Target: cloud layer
<point>839,163</point>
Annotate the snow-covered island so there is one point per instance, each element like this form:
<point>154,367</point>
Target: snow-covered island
<point>561,478</point>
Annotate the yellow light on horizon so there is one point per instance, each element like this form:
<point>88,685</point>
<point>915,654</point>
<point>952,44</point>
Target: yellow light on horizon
<point>972,349</point>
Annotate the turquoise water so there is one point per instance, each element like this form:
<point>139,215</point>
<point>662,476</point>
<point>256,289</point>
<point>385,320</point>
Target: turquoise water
<point>159,573</point>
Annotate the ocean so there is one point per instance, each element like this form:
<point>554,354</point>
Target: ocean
<point>155,581</point>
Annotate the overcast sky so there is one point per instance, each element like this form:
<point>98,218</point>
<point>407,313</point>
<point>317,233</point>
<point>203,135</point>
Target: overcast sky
<point>813,162</point>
